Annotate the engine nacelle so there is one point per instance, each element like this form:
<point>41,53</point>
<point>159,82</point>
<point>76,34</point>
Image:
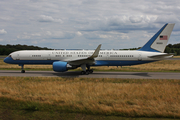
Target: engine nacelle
<point>61,66</point>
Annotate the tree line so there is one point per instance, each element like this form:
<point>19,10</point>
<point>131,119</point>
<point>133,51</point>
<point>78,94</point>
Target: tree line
<point>173,49</point>
<point>7,49</point>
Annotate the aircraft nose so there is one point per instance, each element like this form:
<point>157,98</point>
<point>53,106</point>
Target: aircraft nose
<point>7,60</point>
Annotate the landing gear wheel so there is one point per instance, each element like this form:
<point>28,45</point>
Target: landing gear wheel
<point>90,71</point>
<point>83,72</point>
<point>87,72</point>
<point>22,71</point>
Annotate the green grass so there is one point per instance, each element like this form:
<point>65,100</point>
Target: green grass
<point>88,98</point>
<point>176,56</point>
<point>19,110</point>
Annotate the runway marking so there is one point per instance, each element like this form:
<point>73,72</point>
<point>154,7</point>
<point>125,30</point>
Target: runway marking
<point>131,75</point>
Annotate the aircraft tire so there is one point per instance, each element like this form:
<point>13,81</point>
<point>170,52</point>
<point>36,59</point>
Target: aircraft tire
<point>22,71</point>
<point>83,72</point>
<point>90,71</point>
<point>87,72</point>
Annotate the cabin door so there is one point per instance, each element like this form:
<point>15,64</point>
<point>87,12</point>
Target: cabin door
<point>49,57</point>
<point>140,57</point>
<point>107,57</point>
<point>18,57</point>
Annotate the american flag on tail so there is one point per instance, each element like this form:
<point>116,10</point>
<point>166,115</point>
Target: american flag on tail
<point>163,37</point>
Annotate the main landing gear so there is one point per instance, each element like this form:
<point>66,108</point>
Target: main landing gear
<point>86,72</point>
<point>22,68</point>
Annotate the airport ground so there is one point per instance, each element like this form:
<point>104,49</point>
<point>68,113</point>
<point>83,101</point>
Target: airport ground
<point>91,98</point>
<point>96,74</point>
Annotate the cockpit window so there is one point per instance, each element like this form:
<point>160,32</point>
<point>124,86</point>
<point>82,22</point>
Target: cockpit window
<point>9,55</point>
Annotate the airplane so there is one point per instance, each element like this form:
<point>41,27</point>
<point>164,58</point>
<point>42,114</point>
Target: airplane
<point>64,60</point>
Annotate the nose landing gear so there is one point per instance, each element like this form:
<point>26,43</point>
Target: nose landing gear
<point>22,68</point>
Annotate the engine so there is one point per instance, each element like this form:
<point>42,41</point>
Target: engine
<point>61,66</point>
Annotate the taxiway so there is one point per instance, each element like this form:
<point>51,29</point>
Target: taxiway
<point>131,75</point>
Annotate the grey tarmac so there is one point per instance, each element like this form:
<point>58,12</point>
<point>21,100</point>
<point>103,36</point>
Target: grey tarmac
<point>96,74</point>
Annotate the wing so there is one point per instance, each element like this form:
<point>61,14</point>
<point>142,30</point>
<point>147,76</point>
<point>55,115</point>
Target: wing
<point>86,60</point>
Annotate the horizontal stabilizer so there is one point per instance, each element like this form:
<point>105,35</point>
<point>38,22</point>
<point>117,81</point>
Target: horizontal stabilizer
<point>161,56</point>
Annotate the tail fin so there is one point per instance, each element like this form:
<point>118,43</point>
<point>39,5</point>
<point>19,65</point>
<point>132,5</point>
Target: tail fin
<point>159,41</point>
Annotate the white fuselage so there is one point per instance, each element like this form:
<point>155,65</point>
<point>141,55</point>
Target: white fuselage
<point>120,58</point>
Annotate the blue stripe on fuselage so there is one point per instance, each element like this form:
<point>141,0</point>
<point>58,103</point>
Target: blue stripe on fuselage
<point>97,62</point>
<point>11,61</point>
<point>119,63</point>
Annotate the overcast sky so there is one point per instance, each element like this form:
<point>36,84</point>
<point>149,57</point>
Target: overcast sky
<point>67,24</point>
